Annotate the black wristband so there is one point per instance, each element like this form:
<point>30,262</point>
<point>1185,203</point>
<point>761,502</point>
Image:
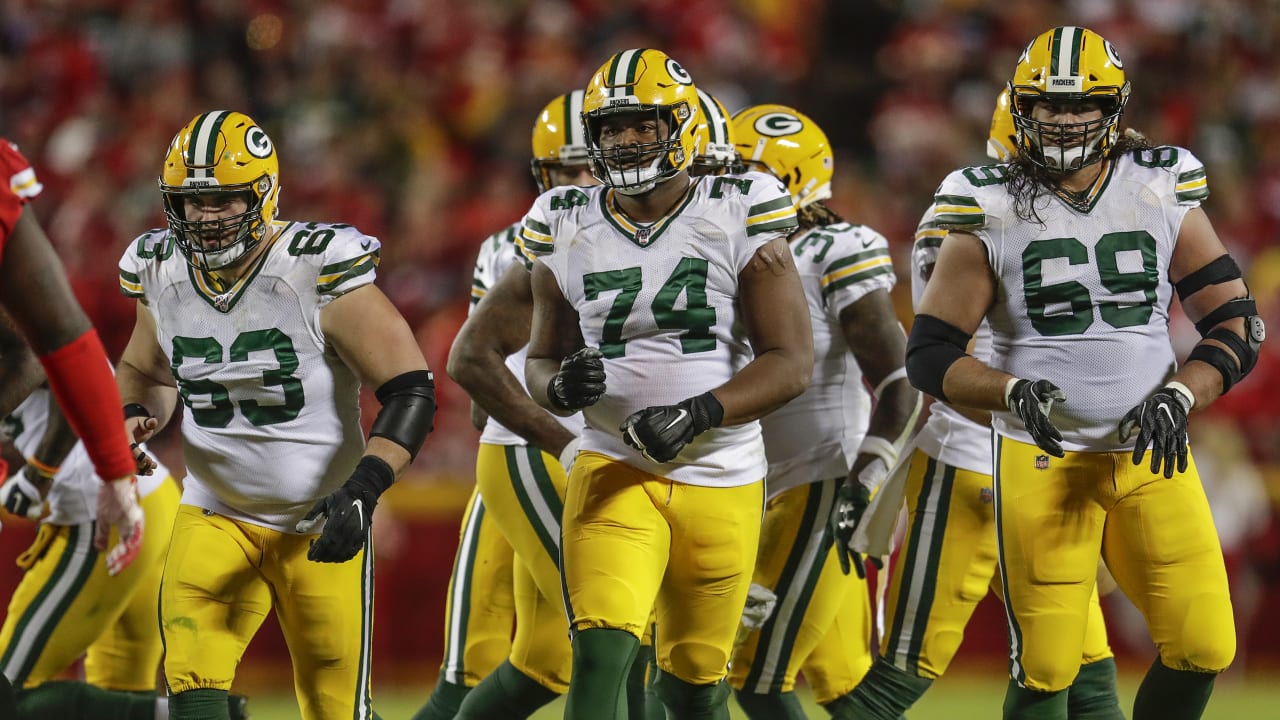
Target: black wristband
<point>133,410</point>
<point>372,474</point>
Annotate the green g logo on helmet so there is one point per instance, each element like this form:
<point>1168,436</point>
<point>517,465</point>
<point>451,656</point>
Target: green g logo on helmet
<point>778,124</point>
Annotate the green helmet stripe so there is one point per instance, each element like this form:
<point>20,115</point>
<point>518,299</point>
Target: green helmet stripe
<point>573,134</point>
<point>1064,51</point>
<point>1077,39</point>
<point>622,72</point>
<point>204,144</point>
<point>717,125</point>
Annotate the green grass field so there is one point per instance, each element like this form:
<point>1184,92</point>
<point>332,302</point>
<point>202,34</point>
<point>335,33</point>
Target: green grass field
<point>954,697</point>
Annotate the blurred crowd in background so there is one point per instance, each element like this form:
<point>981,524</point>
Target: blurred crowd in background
<point>410,119</point>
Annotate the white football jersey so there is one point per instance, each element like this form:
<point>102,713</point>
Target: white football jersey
<point>73,497</point>
<point>272,419</point>
<point>948,436</point>
<point>498,253</point>
<point>659,301</point>
<point>816,435</point>
<point>1083,298</point>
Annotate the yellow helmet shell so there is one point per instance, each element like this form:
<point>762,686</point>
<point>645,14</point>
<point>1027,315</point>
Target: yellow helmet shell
<point>1002,140</point>
<point>788,144</point>
<point>635,81</point>
<point>1068,64</point>
<point>558,137</point>
<point>220,152</point>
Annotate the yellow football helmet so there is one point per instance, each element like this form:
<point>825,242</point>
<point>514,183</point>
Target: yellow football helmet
<point>220,152</point>
<point>1002,139</point>
<point>634,82</point>
<point>783,141</point>
<point>1064,65</point>
<point>714,153</point>
<point>558,139</point>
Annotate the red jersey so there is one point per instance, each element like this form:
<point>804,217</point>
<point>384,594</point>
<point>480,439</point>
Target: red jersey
<point>22,186</point>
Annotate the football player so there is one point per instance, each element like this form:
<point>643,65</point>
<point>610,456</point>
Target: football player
<point>1072,253</point>
<point>826,436</point>
<point>516,482</point>
<point>67,604</point>
<point>266,329</point>
<point>35,292</point>
<point>669,311</point>
<point>948,558</point>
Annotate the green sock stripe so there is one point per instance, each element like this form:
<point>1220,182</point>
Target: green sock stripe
<point>799,575</point>
<point>1016,671</point>
<point>42,617</point>
<point>523,466</point>
<point>458,612</point>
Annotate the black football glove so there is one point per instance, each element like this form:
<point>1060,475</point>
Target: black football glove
<point>347,512</point>
<point>1161,422</point>
<point>580,382</point>
<point>660,432</point>
<point>852,499</point>
<point>1032,401</point>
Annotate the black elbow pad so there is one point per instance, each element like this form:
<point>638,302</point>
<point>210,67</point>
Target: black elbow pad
<point>933,346</point>
<point>408,410</point>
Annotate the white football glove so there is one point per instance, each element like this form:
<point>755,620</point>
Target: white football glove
<point>760,603</point>
<point>21,498</point>
<point>118,507</point>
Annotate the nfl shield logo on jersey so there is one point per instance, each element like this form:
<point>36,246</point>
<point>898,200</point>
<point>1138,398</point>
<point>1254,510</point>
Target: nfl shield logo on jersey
<point>642,235</point>
<point>986,496</point>
<point>1042,462</point>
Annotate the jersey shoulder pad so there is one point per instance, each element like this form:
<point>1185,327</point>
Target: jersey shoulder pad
<point>1190,183</point>
<point>858,256</point>
<point>769,207</point>
<point>343,257</point>
<point>22,178</point>
<point>927,242</point>
<point>551,210</point>
<point>958,203</point>
<point>496,253</point>
<point>147,250</point>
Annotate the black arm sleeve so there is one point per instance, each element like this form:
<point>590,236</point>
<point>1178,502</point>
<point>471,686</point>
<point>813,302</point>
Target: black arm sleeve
<point>408,410</point>
<point>931,349</point>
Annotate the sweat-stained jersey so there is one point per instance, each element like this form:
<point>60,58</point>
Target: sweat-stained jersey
<point>816,435</point>
<point>658,300</point>
<point>22,186</point>
<point>499,252</point>
<point>1085,293</point>
<point>272,416</point>
<point>73,497</point>
<point>948,436</point>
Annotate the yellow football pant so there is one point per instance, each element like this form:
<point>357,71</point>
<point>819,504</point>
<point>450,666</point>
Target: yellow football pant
<point>796,562</point>
<point>67,605</point>
<point>946,565</point>
<point>480,610</point>
<point>523,490</point>
<point>223,577</point>
<point>1053,518</point>
<point>633,541</point>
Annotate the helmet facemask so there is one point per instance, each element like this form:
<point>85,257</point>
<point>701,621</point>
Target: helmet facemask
<point>235,235</point>
<point>1066,147</point>
<point>637,168</point>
